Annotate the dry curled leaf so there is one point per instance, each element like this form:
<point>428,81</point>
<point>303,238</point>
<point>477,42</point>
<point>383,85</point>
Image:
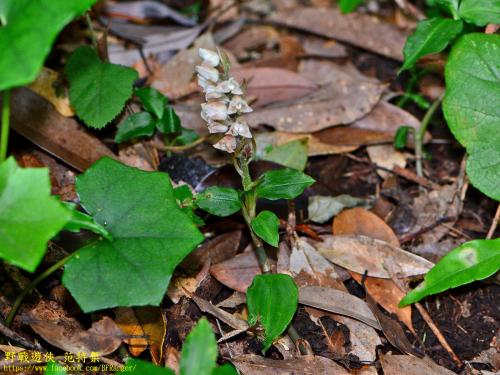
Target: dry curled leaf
<point>410,365</point>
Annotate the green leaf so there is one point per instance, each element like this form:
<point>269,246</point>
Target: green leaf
<point>283,184</point>
<point>54,368</point>
<point>474,260</point>
<point>226,369</point>
<point>199,352</point>
<point>471,107</point>
<point>451,6</point>
<point>219,201</point>
<point>136,125</point>
<point>138,367</point>
<point>292,154</point>
<point>151,237</point>
<point>170,122</point>
<point>348,6</point>
<point>97,90</point>
<point>30,30</point>
<point>153,101</point>
<point>430,36</point>
<point>401,137</point>
<point>266,226</point>
<point>29,215</point>
<point>272,301</point>
<point>80,220</point>
<point>480,12</point>
<point>186,137</point>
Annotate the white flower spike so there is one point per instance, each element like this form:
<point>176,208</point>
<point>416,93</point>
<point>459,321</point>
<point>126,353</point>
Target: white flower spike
<point>210,58</point>
<point>208,73</point>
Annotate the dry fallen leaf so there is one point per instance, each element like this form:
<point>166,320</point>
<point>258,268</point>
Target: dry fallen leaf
<point>361,30</point>
<point>36,119</point>
<point>361,253</point>
<point>49,320</point>
<point>231,320</point>
<point>387,157</point>
<point>251,364</point>
<point>44,85</point>
<point>148,322</point>
<point>410,365</point>
<point>338,302</point>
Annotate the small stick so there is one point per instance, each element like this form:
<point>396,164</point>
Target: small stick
<point>494,224</point>
<point>6,331</point>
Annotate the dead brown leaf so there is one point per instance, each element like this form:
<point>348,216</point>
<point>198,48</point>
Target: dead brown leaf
<point>410,365</point>
<point>49,320</point>
<point>361,253</point>
<point>361,30</point>
<point>36,119</point>
<point>145,321</point>
<point>387,157</point>
<point>45,86</point>
<point>251,364</point>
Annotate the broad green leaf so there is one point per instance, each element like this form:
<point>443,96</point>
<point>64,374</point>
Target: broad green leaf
<point>471,107</point>
<point>226,369</point>
<point>272,301</point>
<point>54,368</point>
<point>97,90</point>
<point>186,137</point>
<point>283,184</point>
<point>79,220</point>
<point>266,226</point>
<point>474,260</point>
<point>29,215</point>
<point>480,12</point>
<point>152,100</point>
<point>348,6</point>
<point>184,198</point>
<point>430,36</point>
<point>292,154</point>
<point>170,122</point>
<point>136,125</point>
<point>30,30</point>
<point>219,201</point>
<point>139,367</point>
<point>151,237</point>
<point>199,352</point>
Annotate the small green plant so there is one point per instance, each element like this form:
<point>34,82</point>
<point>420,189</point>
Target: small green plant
<point>470,107</point>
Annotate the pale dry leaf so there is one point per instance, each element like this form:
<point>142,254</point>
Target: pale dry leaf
<point>410,365</point>
<point>338,302</point>
<point>45,86</point>
<point>229,319</point>
<point>361,253</point>
<point>322,208</point>
<point>387,157</point>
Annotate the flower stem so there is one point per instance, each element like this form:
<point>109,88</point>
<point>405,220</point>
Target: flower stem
<point>19,300</point>
<point>4,138</point>
<point>420,134</point>
<point>91,28</point>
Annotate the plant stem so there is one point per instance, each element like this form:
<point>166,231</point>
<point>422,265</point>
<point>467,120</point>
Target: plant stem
<point>420,134</point>
<point>91,28</point>
<point>4,138</point>
<point>19,300</point>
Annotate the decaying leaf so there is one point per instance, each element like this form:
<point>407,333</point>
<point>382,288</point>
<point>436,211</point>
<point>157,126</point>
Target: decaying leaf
<point>148,322</point>
<point>361,253</point>
<point>361,30</point>
<point>251,364</point>
<point>49,320</point>
<point>322,209</point>
<point>338,302</point>
<point>36,119</point>
<point>238,273</point>
<point>229,319</point>
<point>410,365</point>
<point>387,157</point>
<point>45,86</point>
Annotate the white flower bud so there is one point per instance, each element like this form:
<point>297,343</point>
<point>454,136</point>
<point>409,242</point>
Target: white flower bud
<point>240,128</point>
<point>213,92</point>
<point>208,73</point>
<point>227,144</point>
<point>203,82</point>
<point>215,111</point>
<point>230,86</point>
<point>238,105</point>
<point>217,127</point>
<point>211,58</point>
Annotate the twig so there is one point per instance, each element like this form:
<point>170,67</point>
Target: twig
<point>6,331</point>
<point>494,224</point>
<point>410,236</point>
<point>180,148</point>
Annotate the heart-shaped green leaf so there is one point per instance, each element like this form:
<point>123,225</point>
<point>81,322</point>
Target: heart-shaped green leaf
<point>219,201</point>
<point>29,216</point>
<point>199,352</point>
<point>266,226</point>
<point>283,184</point>
<point>139,124</point>
<point>471,106</point>
<point>97,90</point>
<point>480,12</point>
<point>152,100</point>
<point>272,301</point>
<point>151,237</point>
<point>430,36</point>
<point>474,260</point>
<point>30,28</point>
